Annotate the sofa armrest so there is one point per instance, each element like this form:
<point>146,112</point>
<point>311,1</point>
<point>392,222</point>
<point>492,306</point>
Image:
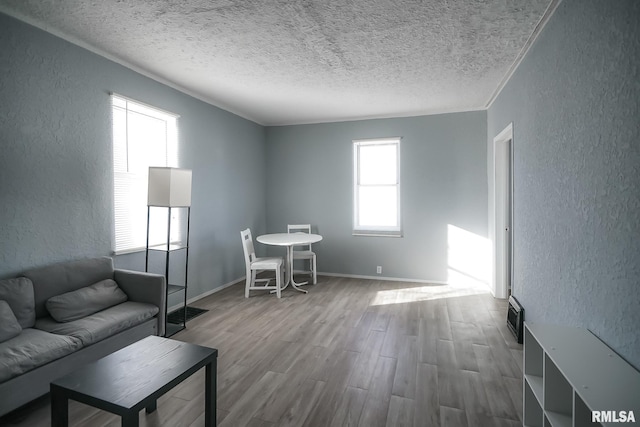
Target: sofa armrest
<point>145,287</point>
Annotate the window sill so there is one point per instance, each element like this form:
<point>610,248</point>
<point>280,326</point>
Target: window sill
<point>142,248</point>
<point>377,234</point>
<point>128,251</point>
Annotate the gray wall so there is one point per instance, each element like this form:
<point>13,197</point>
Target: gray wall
<point>443,170</point>
<point>574,104</point>
<point>56,198</point>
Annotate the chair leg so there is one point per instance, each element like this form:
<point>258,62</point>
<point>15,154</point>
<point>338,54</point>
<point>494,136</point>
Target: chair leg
<point>278,281</point>
<point>313,268</point>
<point>251,279</point>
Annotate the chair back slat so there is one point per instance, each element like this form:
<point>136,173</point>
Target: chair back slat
<point>300,228</point>
<point>247,246</point>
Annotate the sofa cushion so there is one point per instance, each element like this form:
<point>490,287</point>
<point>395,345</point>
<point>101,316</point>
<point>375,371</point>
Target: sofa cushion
<point>9,326</point>
<point>33,348</point>
<point>18,293</point>
<point>65,277</point>
<point>80,303</point>
<point>102,324</point>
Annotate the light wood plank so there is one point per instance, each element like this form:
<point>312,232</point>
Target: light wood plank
<point>404,383</point>
<point>245,407</point>
<point>400,412</point>
<point>299,410</point>
<point>452,417</point>
<point>376,406</point>
<point>361,377</point>
<point>348,413</point>
<point>449,376</point>
<point>336,383</point>
<point>426,411</point>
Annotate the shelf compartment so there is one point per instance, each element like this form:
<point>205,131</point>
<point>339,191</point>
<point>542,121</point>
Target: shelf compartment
<point>556,419</point>
<point>171,248</point>
<point>537,387</point>
<point>582,413</point>
<point>533,415</point>
<point>172,289</point>
<point>558,393</point>
<point>533,355</point>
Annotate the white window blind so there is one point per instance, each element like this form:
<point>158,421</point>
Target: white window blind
<point>376,189</point>
<point>143,136</point>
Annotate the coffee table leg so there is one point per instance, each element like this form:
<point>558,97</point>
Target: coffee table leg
<point>152,407</point>
<point>130,419</point>
<point>210,394</point>
<point>59,408</point>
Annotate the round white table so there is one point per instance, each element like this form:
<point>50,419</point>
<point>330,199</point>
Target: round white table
<point>290,240</point>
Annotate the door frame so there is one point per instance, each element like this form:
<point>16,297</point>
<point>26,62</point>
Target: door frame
<point>502,236</point>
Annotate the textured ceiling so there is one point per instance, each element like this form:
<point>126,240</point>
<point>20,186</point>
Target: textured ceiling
<point>296,61</point>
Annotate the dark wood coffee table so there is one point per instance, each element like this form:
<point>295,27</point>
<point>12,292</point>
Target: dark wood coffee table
<point>134,378</point>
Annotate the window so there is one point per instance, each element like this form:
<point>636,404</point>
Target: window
<point>376,187</point>
<point>143,136</point>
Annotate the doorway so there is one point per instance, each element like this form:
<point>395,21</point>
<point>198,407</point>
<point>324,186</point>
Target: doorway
<point>503,213</point>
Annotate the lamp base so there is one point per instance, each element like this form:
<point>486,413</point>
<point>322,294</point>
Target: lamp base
<point>177,316</point>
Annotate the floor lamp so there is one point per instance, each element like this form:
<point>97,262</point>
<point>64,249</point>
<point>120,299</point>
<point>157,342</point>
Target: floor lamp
<point>170,188</point>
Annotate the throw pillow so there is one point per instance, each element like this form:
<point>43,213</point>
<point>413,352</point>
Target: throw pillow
<point>85,301</point>
<point>9,326</point>
<point>18,293</point>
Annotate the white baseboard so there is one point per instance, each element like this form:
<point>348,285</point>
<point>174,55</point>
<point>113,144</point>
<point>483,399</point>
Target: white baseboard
<point>351,276</point>
<point>206,294</point>
<point>390,279</point>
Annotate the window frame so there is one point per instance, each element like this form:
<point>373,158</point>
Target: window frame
<point>381,231</point>
<point>129,176</point>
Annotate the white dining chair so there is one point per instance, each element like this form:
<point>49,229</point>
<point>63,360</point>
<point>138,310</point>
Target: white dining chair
<point>304,252</point>
<point>254,265</point>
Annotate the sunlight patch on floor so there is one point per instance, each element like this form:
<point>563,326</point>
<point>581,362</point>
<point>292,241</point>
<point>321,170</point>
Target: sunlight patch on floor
<point>425,293</point>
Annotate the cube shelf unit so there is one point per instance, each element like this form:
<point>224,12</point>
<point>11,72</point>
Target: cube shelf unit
<point>569,372</point>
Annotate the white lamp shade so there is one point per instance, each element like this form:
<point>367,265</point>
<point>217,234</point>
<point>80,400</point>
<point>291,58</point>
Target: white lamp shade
<point>170,187</point>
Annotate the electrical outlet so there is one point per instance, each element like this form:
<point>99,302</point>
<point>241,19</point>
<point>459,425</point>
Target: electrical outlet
<point>379,269</point>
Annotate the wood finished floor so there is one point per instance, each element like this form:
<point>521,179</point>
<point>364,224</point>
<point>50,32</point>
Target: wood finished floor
<point>351,352</point>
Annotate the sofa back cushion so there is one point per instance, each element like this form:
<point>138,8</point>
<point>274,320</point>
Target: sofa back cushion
<point>18,293</point>
<point>9,326</point>
<point>65,277</point>
<point>82,302</point>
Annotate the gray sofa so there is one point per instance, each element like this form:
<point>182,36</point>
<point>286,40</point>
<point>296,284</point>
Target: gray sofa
<point>36,348</point>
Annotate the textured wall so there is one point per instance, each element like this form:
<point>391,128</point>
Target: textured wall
<point>575,107</point>
<point>443,169</point>
<point>56,198</point>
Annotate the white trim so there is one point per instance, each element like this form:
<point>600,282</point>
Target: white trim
<point>380,140</point>
<point>506,134</point>
<point>377,233</point>
<point>129,251</point>
<point>498,283</point>
<point>383,278</point>
<point>350,276</point>
<point>380,230</point>
<point>143,104</point>
<point>537,30</point>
